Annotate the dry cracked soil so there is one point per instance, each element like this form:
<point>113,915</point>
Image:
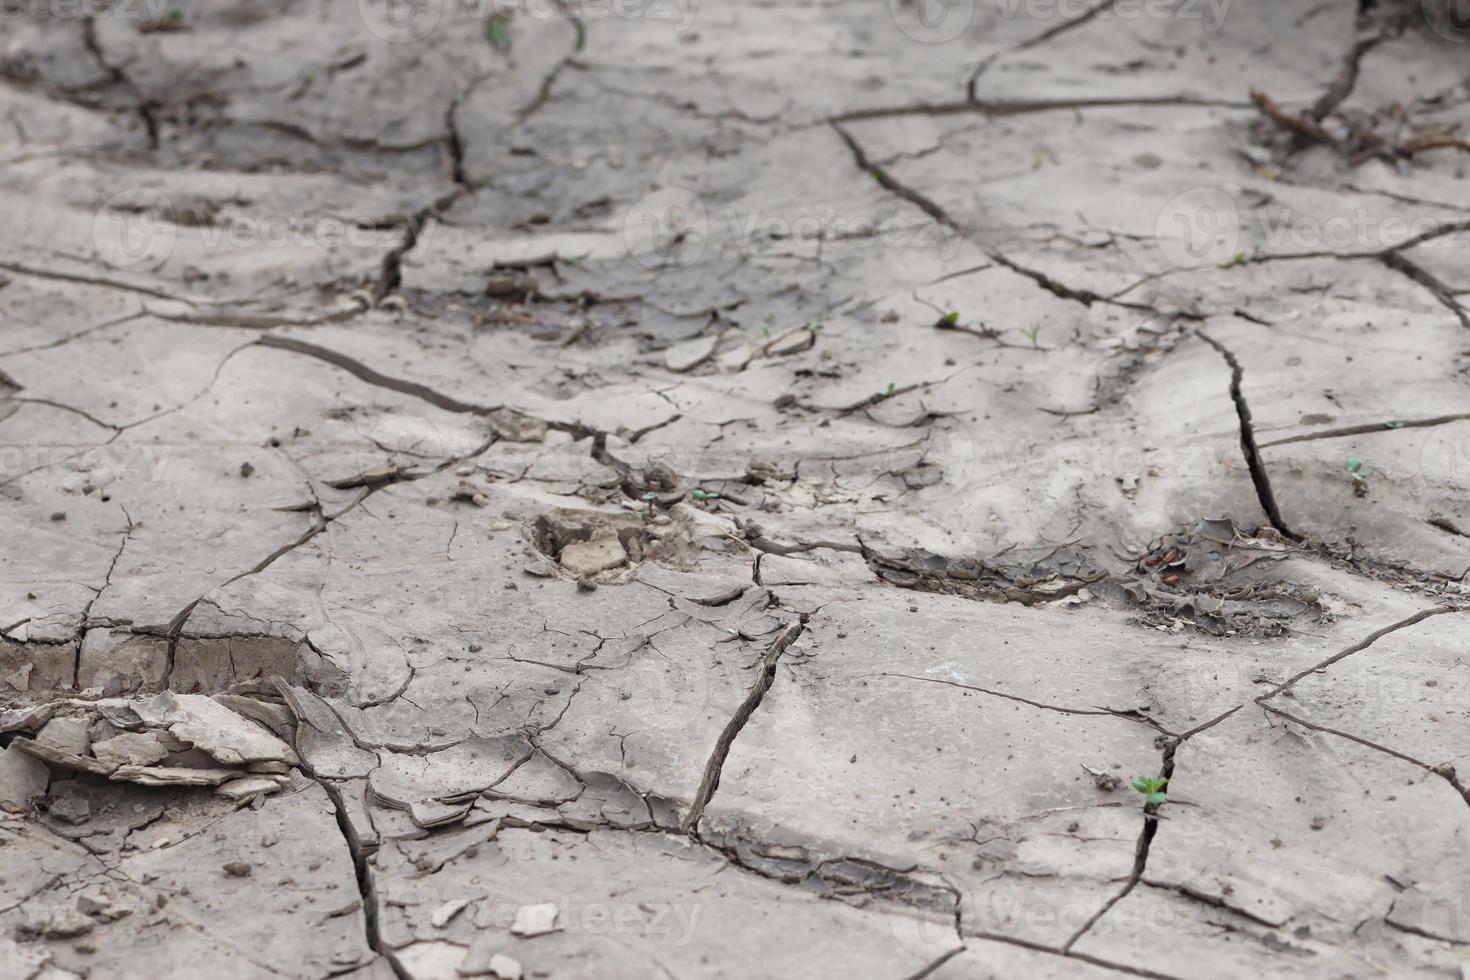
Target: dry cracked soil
<point>777,488</point>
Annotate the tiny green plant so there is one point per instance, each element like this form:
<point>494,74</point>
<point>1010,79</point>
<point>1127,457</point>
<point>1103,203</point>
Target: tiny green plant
<point>1237,259</point>
<point>814,326</point>
<point>952,318</point>
<point>888,392</point>
<point>1032,332</point>
<point>705,495</point>
<point>1354,468</point>
<point>497,33</point>
<point>1152,788</point>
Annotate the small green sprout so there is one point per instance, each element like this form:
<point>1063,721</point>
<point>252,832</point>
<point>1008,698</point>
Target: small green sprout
<point>952,318</point>
<point>1237,259</point>
<point>1152,788</point>
<point>497,33</point>
<point>649,496</point>
<point>889,391</point>
<point>767,332</point>
<point>704,495</point>
<point>1032,332</point>
<point>814,326</point>
<point>1354,468</point>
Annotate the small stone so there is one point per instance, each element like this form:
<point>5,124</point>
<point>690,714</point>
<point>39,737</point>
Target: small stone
<point>237,869</point>
<point>445,913</point>
<point>244,789</point>
<point>536,920</point>
<point>246,469</point>
<point>690,354</point>
<point>597,554</point>
<point>505,967</point>
<point>67,923</point>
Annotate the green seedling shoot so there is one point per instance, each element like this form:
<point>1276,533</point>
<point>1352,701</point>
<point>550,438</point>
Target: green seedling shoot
<point>1152,788</point>
<point>1032,332</point>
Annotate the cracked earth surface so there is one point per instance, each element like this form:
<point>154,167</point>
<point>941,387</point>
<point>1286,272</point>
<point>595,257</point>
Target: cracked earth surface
<point>742,499</point>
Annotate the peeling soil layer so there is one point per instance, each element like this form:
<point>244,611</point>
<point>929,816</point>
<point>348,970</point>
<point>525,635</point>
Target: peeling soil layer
<point>784,489</point>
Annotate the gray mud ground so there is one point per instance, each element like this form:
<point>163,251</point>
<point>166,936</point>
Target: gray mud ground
<point>645,491</point>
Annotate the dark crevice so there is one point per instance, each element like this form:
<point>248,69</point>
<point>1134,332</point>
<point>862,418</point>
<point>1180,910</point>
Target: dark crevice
<point>765,675</point>
<point>1140,850</point>
<point>1248,446</point>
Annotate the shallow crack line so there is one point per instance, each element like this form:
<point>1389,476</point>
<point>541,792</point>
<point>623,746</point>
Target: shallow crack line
<point>1248,447</point>
<point>1025,107</point>
<point>48,403</point>
<point>248,321</point>
<point>1359,647</point>
<point>860,157</point>
<point>765,675</point>
<point>27,270</point>
<point>1406,266</point>
<point>1062,291</point>
<point>543,92</point>
<point>61,341</point>
<point>76,670</point>
<point>1051,32</point>
<point>366,374</point>
<point>929,970</point>
<point>1099,712</point>
<point>1445,771</point>
<point>1097,961</point>
<point>1371,428</point>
